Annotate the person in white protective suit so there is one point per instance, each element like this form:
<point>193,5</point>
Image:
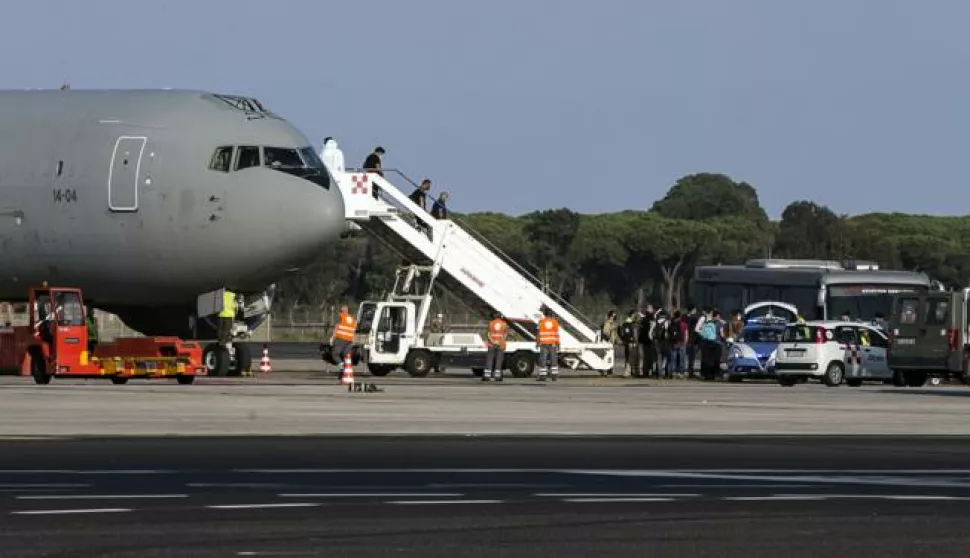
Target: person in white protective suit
<point>332,156</point>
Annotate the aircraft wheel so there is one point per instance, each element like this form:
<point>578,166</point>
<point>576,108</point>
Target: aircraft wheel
<point>243,361</point>
<point>215,357</point>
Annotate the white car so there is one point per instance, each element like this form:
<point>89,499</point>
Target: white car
<point>832,352</point>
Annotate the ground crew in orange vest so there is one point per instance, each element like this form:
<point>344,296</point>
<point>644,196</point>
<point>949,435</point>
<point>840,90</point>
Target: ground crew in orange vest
<point>498,332</point>
<point>343,334</point>
<point>548,346</point>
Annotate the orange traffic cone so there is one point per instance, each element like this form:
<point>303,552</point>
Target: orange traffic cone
<point>264,364</point>
<point>348,376</point>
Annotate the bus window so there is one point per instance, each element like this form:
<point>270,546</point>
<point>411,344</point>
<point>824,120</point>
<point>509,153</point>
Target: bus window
<point>728,297</point>
<point>803,298</point>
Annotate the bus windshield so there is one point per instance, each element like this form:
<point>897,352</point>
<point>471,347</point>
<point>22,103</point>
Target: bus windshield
<point>864,302</point>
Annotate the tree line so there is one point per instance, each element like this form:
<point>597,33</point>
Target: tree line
<point>618,260</point>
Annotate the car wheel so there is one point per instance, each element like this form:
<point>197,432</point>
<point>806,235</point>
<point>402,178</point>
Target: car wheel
<point>834,374</point>
<point>853,383</point>
<point>787,381</point>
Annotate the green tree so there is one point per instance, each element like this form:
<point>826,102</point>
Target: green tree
<point>551,234</point>
<point>808,230</point>
<point>702,196</point>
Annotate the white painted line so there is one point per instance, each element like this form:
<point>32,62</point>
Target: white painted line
<point>66,512</point>
<point>616,495</point>
<point>375,495</point>
<point>612,500</point>
<point>431,502</point>
<point>87,472</point>
<point>235,485</point>
<point>771,498</point>
<point>493,485</point>
<point>27,485</point>
<point>716,485</point>
<point>101,496</point>
<point>264,506</point>
<point>643,472</point>
<point>880,496</point>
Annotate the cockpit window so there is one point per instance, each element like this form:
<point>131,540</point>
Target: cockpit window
<point>221,159</point>
<point>311,159</point>
<point>248,157</point>
<point>281,157</point>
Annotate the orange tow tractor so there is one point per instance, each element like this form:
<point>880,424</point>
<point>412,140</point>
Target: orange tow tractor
<point>55,344</point>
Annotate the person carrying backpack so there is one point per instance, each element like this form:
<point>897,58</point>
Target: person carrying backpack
<point>628,333</point>
<point>678,337</point>
<point>661,334</point>
<point>710,339</point>
<point>648,347</point>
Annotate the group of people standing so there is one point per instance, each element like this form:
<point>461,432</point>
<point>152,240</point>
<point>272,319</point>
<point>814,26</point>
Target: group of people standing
<point>665,344</point>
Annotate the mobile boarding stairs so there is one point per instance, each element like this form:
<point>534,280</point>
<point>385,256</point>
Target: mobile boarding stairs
<point>467,265</point>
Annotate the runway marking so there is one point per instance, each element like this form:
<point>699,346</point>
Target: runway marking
<point>494,485</point>
<point>717,485</point>
<point>88,472</point>
<point>687,473</point>
<point>432,502</point>
<point>28,485</point>
<point>771,498</point>
<point>236,485</point>
<point>374,495</point>
<point>616,495</point>
<point>264,506</point>
<point>66,512</point>
<point>880,496</point>
<point>101,496</point>
<point>862,480</point>
<point>610,500</point>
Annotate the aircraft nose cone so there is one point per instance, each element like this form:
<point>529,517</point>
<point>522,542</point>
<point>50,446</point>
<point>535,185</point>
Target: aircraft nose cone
<point>313,218</point>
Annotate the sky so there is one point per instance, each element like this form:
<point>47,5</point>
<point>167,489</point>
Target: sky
<point>523,105</point>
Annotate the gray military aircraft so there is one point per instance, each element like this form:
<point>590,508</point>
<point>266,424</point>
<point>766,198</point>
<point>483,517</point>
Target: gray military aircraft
<point>147,199</point>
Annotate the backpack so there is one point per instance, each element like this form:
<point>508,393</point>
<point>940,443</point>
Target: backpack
<point>676,331</point>
<point>625,332</point>
<point>660,330</point>
<point>709,330</point>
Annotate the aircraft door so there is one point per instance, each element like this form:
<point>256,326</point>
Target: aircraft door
<point>125,173</point>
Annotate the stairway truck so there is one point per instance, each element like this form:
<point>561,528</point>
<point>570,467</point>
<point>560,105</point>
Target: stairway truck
<point>389,340</point>
<point>54,343</point>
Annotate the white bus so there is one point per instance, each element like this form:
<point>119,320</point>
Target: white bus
<point>821,290</point>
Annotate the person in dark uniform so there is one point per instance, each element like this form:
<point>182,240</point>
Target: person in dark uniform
<point>373,164</point>
<point>420,198</point>
<point>440,210</point>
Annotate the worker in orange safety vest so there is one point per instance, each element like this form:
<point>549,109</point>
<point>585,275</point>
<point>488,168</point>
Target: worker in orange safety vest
<point>548,340</point>
<point>498,332</point>
<point>343,334</point>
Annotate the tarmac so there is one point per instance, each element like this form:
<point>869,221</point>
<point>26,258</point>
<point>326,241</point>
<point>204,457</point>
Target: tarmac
<point>313,403</point>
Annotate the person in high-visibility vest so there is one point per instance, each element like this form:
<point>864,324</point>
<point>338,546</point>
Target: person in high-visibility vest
<point>498,332</point>
<point>227,317</point>
<point>548,340</point>
<point>343,333</point>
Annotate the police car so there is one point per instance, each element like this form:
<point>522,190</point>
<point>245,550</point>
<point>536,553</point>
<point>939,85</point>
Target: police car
<point>832,352</point>
<point>753,353</point>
